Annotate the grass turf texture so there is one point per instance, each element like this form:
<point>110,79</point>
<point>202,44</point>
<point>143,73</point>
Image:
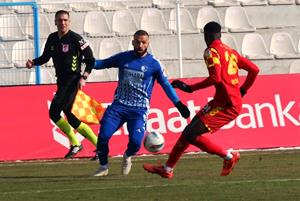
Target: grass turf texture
<point>272,175</point>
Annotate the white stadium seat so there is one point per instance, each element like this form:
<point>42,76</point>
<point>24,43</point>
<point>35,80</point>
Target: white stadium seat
<point>83,7</point>
<point>282,46</point>
<point>44,26</point>
<point>281,2</point>
<point>21,52</point>
<point>221,3</point>
<point>187,23</point>
<point>229,40</point>
<point>21,9</point>
<point>4,59</point>
<point>46,77</point>
<point>96,25</point>
<point>295,67</point>
<point>207,14</point>
<point>254,47</point>
<point>138,4</point>
<point>253,2</point>
<point>123,23</point>
<point>49,7</point>
<point>236,20</point>
<point>164,47</point>
<point>109,47</point>
<point>193,46</point>
<point>163,4</point>
<point>111,5</point>
<point>194,3</point>
<point>153,21</point>
<point>13,30</point>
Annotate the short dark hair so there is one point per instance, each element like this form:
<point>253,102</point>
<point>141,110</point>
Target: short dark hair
<point>212,27</point>
<point>61,12</point>
<point>141,33</point>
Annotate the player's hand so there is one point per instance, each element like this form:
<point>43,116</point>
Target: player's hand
<point>183,109</point>
<point>182,86</point>
<point>29,64</point>
<point>243,92</point>
<point>82,82</point>
<point>83,79</point>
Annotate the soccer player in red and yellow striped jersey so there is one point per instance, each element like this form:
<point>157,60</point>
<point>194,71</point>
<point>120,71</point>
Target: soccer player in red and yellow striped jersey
<point>223,64</point>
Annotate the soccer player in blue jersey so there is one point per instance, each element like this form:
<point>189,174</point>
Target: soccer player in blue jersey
<point>138,71</point>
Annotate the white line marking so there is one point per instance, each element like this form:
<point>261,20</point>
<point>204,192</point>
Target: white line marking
<point>148,186</point>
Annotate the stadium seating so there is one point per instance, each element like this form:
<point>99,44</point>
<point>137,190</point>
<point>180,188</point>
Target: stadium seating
<point>13,30</point>
<point>253,2</point>
<point>187,22</point>
<point>111,5</point>
<point>277,2</point>
<point>295,67</point>
<point>21,9</point>
<point>44,26</point>
<point>194,3</point>
<point>254,47</point>
<point>46,77</point>
<point>83,7</point>
<point>123,23</point>
<point>163,4</point>
<point>273,42</point>
<point>109,47</point>
<point>164,47</point>
<point>4,59</point>
<point>236,20</point>
<point>207,14</point>
<point>193,46</point>
<point>77,21</point>
<point>48,7</point>
<point>96,25</point>
<point>153,21</point>
<point>221,3</point>
<point>138,4</point>
<point>21,52</point>
<point>282,46</point>
<point>229,40</point>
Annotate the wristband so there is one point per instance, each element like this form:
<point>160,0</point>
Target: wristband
<point>84,77</point>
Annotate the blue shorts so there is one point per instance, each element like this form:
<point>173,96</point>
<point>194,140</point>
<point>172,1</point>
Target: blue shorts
<point>115,116</point>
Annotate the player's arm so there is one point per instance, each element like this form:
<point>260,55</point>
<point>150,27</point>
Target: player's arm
<point>110,62</point>
<point>168,89</point>
<point>44,58</point>
<point>89,59</point>
<point>212,60</point>
<point>252,70</point>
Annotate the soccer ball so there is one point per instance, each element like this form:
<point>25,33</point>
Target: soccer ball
<point>154,142</point>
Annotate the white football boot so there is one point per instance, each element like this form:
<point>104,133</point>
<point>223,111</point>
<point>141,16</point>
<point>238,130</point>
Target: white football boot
<point>126,165</point>
<point>101,172</point>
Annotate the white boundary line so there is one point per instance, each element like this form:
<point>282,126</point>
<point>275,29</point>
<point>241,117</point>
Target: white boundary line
<point>137,158</point>
<point>149,186</point>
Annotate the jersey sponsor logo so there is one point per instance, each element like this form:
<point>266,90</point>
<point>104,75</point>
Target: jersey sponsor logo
<point>83,44</point>
<point>144,68</point>
<point>133,74</point>
<point>65,47</point>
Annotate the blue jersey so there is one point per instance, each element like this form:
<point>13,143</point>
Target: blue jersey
<point>136,79</point>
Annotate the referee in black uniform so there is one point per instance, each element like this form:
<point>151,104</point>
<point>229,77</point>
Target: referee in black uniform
<point>67,50</point>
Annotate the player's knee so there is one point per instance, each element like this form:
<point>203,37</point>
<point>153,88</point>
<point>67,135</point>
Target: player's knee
<point>54,116</point>
<point>189,134</point>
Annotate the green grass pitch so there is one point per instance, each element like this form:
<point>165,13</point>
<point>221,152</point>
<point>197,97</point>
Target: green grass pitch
<point>260,175</point>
